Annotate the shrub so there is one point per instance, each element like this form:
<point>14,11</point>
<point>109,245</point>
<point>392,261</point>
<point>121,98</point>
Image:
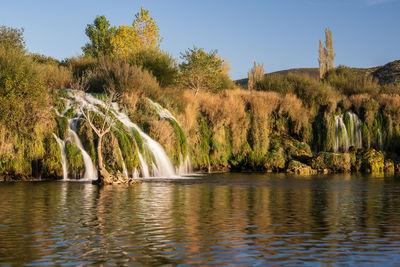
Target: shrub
<point>352,81</point>
<point>119,76</point>
<point>160,64</point>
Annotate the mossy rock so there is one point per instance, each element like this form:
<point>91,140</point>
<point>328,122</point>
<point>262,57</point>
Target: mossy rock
<point>52,166</point>
<point>296,167</point>
<point>373,161</point>
<point>76,165</point>
<point>275,160</point>
<point>332,162</point>
<point>297,150</point>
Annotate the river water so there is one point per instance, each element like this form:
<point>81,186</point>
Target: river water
<point>242,219</point>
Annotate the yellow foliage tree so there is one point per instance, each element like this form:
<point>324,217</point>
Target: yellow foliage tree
<point>142,35</point>
<point>125,42</point>
<point>147,29</point>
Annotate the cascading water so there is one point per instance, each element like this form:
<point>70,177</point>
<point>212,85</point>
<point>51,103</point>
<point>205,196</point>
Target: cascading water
<point>347,136</point>
<point>153,160</point>
<point>185,166</point>
<point>90,169</point>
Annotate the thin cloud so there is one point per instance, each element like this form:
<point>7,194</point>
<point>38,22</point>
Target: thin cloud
<point>378,2</point>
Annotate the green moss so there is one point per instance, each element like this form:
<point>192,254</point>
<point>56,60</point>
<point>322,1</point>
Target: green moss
<point>296,167</point>
<point>333,162</point>
<point>129,149</point>
<point>52,166</point>
<point>75,160</point>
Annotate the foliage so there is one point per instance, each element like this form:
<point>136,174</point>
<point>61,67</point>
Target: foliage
<point>147,29</point>
<point>120,77</point>
<point>160,64</point>
<point>255,76</point>
<point>99,34</point>
<point>202,70</point>
<point>351,81</point>
<point>142,35</point>
<point>25,117</point>
<point>125,42</point>
<point>12,38</point>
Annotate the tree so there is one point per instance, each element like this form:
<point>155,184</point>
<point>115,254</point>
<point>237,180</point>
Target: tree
<point>12,37</point>
<point>322,60</point>
<point>330,53</point>
<point>160,64</point>
<point>202,70</point>
<point>106,120</point>
<point>255,75</point>
<point>326,54</point>
<point>125,42</point>
<point>146,29</point>
<point>100,33</point>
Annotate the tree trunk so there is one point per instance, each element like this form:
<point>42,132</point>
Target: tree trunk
<point>104,177</point>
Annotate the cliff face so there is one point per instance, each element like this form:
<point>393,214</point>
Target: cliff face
<point>389,73</point>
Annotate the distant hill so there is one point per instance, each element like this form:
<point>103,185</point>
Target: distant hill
<point>389,73</point>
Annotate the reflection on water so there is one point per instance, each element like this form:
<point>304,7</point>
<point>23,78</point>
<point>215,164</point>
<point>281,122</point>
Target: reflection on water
<point>219,220</point>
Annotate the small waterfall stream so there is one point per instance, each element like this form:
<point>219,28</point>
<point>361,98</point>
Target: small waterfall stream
<point>347,136</point>
<point>90,169</point>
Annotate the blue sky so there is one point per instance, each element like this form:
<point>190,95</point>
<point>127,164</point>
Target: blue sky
<point>280,34</point>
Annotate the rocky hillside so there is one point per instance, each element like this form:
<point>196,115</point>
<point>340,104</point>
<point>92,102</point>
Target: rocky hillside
<point>387,74</point>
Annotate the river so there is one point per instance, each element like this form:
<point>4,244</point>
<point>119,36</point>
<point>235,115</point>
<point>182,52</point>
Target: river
<point>224,219</point>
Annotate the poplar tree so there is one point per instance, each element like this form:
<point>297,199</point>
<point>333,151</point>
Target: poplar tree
<point>330,53</point>
<point>326,54</point>
<point>322,60</point>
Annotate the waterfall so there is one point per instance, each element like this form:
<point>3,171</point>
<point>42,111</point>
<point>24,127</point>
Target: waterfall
<point>90,169</point>
<point>347,136</point>
<point>162,167</point>
<point>185,166</point>
<point>61,143</point>
<point>152,157</point>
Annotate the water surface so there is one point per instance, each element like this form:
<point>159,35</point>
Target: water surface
<point>218,220</point>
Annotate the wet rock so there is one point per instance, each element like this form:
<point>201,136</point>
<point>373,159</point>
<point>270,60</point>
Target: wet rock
<point>373,161</point>
<point>296,167</point>
<point>334,162</point>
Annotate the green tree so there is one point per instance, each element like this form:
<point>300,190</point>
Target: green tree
<point>201,70</point>
<point>158,63</point>
<point>100,33</point>
<point>12,38</point>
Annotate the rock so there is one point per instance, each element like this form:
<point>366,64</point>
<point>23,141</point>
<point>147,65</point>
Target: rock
<point>297,150</point>
<point>373,161</point>
<point>390,73</point>
<point>334,162</point>
<point>296,167</point>
<point>275,160</point>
